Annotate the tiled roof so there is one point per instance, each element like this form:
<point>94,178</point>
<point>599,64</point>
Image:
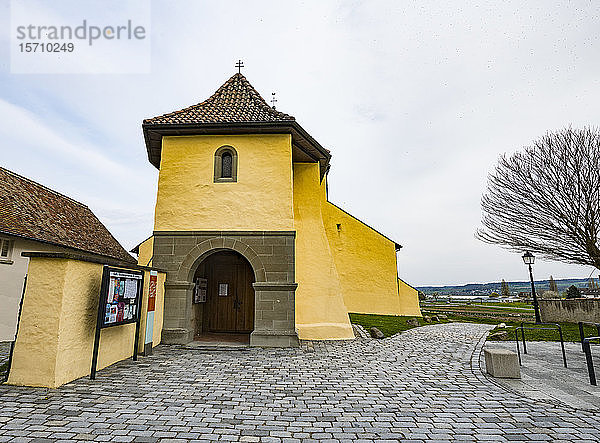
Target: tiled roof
<point>235,102</point>
<point>30,210</point>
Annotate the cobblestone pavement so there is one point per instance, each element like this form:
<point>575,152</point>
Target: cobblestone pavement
<point>422,385</point>
<point>543,376</point>
<point>4,351</point>
<point>4,354</point>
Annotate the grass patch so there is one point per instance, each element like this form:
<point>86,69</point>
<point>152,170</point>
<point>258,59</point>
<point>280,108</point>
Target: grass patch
<point>388,324</point>
<point>512,304</point>
<point>392,324</point>
<point>570,333</point>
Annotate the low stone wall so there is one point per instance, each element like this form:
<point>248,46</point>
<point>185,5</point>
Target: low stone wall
<point>574,310</point>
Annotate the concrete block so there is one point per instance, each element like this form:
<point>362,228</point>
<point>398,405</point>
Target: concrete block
<point>502,363</point>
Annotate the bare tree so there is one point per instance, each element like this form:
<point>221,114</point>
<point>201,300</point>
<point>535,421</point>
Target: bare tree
<point>546,199</point>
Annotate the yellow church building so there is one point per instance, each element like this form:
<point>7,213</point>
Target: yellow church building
<point>243,227</point>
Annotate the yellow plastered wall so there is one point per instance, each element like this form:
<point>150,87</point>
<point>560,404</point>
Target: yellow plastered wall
<point>260,200</point>
<point>56,331</point>
<point>36,347</point>
<point>409,299</point>
<point>145,252</point>
<point>320,310</point>
<point>365,261</point>
<point>366,264</point>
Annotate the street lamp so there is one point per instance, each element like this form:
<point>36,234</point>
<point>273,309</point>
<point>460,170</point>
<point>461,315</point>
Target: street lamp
<point>529,259</point>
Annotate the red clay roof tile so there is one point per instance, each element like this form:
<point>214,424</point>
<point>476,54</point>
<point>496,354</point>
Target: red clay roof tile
<point>235,102</point>
<point>30,210</point>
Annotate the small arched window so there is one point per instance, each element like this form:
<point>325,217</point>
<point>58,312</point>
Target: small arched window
<point>225,164</point>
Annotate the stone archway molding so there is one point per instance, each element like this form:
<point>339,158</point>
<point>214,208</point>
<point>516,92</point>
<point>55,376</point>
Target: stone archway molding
<point>208,247</point>
<point>271,255</point>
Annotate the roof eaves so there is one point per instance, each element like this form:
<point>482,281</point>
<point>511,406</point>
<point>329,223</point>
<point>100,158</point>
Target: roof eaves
<point>62,245</point>
<point>397,246</point>
<point>153,146</point>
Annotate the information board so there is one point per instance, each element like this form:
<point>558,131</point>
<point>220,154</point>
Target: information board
<point>120,301</point>
<point>120,297</point>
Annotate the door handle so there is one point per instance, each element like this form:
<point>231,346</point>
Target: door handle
<point>237,304</point>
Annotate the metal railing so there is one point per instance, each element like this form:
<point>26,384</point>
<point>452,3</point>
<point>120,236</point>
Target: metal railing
<point>588,358</point>
<point>582,334</point>
<point>554,327</point>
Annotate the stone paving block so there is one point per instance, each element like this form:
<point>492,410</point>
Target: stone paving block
<point>422,385</point>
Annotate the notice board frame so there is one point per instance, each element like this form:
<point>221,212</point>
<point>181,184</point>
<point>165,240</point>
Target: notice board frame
<point>102,302</point>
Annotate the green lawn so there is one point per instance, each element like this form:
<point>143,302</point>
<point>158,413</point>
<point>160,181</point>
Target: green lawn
<point>391,324</point>
<point>503,307</point>
<point>388,324</point>
<point>513,304</point>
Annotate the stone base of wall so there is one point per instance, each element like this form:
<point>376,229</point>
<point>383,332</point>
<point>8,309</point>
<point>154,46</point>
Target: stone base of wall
<point>277,340</point>
<point>271,255</point>
<point>177,336</point>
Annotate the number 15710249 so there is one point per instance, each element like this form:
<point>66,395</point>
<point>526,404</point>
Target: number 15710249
<point>46,47</point>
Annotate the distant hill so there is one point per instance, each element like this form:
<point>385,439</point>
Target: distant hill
<point>515,287</point>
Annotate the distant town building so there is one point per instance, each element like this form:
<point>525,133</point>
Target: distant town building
<point>589,292</point>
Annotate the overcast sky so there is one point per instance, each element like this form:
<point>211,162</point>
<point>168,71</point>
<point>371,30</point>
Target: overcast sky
<point>432,92</point>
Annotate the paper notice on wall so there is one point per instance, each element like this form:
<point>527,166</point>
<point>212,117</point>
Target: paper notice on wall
<point>130,288</point>
<point>223,289</point>
<point>111,290</point>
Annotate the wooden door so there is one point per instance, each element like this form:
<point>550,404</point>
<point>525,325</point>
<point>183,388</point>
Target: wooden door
<point>244,298</point>
<point>230,301</point>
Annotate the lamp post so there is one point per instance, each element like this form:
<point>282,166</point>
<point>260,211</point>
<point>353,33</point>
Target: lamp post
<point>529,259</point>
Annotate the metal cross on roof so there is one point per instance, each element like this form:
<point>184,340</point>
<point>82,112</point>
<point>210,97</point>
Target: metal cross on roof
<point>273,99</point>
<point>239,65</point>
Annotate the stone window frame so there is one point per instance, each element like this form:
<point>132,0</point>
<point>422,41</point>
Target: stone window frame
<point>6,247</point>
<point>219,164</point>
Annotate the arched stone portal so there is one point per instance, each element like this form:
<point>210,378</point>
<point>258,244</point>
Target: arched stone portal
<point>223,299</point>
<point>271,257</point>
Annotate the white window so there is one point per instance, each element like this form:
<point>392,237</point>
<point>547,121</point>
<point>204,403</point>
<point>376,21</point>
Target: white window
<point>5,248</point>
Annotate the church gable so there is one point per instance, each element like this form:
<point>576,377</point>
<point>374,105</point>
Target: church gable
<point>235,108</point>
<point>236,101</point>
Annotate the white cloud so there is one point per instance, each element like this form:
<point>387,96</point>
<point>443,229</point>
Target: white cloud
<point>436,91</point>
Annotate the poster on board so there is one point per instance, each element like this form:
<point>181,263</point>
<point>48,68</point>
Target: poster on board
<point>121,297</point>
<point>120,301</point>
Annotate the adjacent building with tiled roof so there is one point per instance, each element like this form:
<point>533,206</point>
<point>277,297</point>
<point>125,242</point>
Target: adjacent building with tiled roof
<point>36,218</point>
<point>35,212</point>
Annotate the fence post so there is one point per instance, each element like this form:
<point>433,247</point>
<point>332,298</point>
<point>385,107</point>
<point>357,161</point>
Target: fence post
<point>589,361</point>
<point>517,342</point>
<point>562,345</point>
